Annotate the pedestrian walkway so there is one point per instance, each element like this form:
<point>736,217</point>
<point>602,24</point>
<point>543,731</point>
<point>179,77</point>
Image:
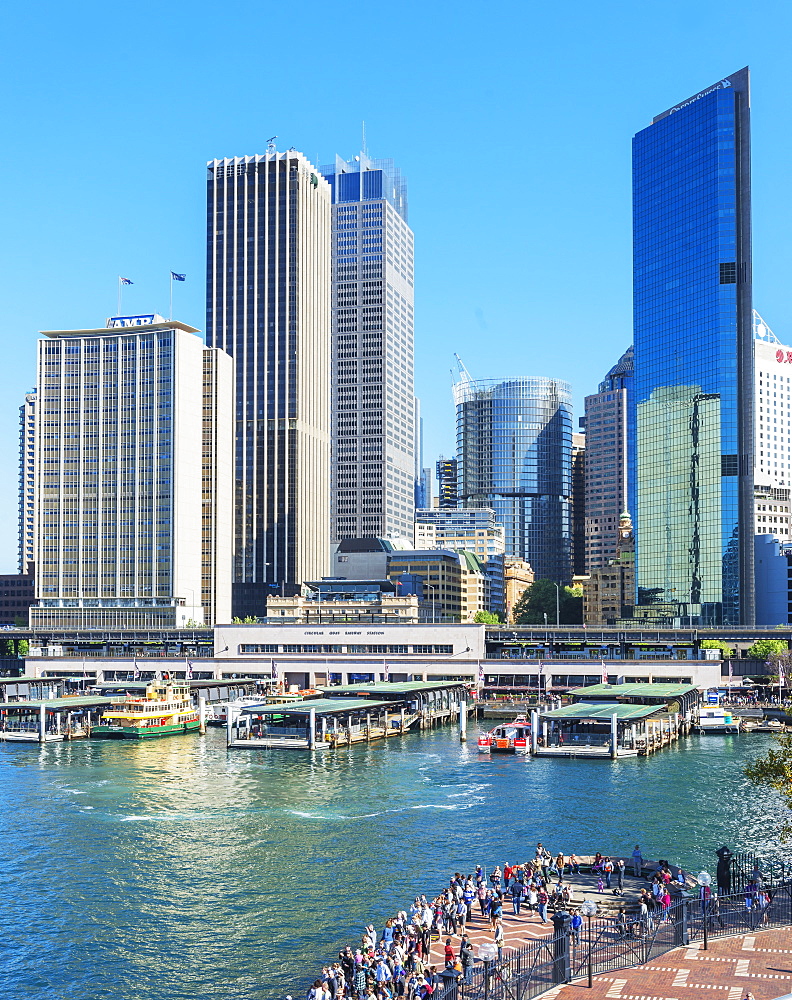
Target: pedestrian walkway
<point>760,963</point>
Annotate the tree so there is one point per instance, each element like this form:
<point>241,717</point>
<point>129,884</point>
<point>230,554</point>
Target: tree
<point>724,647</point>
<point>767,649</point>
<point>539,600</point>
<point>486,618</point>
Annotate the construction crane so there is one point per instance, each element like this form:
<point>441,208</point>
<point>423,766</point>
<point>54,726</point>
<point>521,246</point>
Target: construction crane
<point>464,374</point>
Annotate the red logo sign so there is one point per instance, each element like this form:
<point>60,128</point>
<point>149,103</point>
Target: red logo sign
<point>784,357</point>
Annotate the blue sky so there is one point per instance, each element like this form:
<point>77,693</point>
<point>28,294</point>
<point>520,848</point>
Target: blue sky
<point>512,123</point>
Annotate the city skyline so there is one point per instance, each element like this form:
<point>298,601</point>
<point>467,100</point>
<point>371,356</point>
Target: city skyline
<point>497,258</point>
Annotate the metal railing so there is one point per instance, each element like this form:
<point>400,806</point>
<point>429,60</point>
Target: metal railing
<point>607,944</point>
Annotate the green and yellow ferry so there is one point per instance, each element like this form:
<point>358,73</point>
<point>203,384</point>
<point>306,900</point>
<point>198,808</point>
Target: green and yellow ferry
<point>165,710</point>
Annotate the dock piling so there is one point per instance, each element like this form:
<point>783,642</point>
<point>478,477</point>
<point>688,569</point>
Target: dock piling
<point>463,722</point>
<point>614,735</point>
<point>42,723</point>
<point>201,715</point>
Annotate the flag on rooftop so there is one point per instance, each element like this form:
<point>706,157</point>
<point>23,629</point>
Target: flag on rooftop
<point>178,277</point>
<point>125,281</point>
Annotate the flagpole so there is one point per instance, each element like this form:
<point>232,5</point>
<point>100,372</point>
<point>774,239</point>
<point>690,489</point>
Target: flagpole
<point>170,313</point>
<point>118,307</point>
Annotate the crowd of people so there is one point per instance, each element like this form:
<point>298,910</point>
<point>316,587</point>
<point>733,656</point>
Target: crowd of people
<point>397,962</point>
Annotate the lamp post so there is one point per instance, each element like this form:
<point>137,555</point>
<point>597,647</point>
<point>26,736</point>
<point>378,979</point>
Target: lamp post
<point>558,604</point>
<point>588,908</point>
<point>433,592</point>
<point>487,952</point>
<point>705,881</point>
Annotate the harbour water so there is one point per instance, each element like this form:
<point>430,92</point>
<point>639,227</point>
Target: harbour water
<point>175,869</point>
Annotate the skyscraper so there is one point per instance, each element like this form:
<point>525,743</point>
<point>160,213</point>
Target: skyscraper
<point>268,306</point>
<point>27,469</point>
<point>130,529</point>
<point>373,404</point>
<point>514,449</point>
<point>606,461</point>
<point>691,424</point>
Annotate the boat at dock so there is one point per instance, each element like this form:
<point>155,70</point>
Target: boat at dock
<point>509,737</point>
<point>166,709</point>
<point>715,719</point>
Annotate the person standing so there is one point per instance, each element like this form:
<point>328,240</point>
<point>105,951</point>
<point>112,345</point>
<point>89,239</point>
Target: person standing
<point>541,905</point>
<point>516,890</point>
<point>620,876</point>
<point>499,938</point>
<point>466,957</point>
<point>449,954</point>
<point>637,861</point>
<point>574,926</point>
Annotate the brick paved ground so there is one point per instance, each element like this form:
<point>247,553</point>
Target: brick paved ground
<point>760,962</point>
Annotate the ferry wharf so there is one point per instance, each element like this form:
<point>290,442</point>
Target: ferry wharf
<point>50,720</point>
<point>344,715</point>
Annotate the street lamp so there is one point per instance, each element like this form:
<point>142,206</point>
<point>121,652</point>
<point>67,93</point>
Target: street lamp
<point>588,908</point>
<point>433,591</point>
<point>705,881</point>
<point>558,604</point>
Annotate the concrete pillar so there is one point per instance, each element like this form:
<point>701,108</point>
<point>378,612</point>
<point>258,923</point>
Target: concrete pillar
<point>463,722</point>
<point>534,731</point>
<point>368,727</point>
<point>545,731</point>
<point>614,735</point>
<point>324,729</point>
<point>201,714</point>
<point>312,729</point>
<point>230,720</point>
<point>402,718</point>
<point>42,723</point>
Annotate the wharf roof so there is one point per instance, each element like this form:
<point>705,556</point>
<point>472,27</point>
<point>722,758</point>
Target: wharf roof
<point>397,689</point>
<point>663,692</point>
<point>77,701</point>
<point>322,706</point>
<point>603,711</point>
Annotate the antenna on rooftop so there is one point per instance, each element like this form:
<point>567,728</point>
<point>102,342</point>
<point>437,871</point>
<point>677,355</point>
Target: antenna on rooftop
<point>363,148</point>
<point>464,374</point>
<point>271,144</point>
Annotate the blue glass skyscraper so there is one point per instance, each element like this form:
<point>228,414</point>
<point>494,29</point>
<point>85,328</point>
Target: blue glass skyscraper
<point>691,420</point>
<point>514,453</point>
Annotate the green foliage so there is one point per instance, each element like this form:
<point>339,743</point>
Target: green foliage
<point>720,644</point>
<point>767,649</point>
<point>250,620</point>
<point>539,600</point>
<point>7,647</point>
<point>486,618</point>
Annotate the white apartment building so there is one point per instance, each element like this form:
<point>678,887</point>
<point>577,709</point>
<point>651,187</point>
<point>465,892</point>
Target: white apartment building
<point>470,529</point>
<point>133,497</point>
<point>373,404</point>
<point>773,432</point>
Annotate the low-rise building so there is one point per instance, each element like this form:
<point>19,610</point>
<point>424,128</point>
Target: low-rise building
<point>609,591</point>
<point>329,601</point>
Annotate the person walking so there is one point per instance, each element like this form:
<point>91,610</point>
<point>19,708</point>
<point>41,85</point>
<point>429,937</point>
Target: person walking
<point>541,905</point>
<point>607,868</point>
<point>449,953</point>
<point>574,926</point>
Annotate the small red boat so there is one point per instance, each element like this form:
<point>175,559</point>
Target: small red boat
<point>509,737</point>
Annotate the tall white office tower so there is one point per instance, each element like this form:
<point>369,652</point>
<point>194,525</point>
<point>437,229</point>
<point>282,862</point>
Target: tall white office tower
<point>27,496</point>
<point>268,306</point>
<point>373,433</point>
<point>772,433</point>
<point>133,518</point>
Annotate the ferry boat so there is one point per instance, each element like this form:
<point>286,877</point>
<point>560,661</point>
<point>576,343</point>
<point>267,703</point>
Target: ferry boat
<point>509,737</point>
<point>715,719</point>
<point>165,710</point>
<point>217,714</point>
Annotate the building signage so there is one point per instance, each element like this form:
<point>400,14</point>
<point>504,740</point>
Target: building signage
<point>115,321</point>
<point>784,357</point>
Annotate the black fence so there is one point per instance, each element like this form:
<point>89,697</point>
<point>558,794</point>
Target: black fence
<point>607,944</point>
